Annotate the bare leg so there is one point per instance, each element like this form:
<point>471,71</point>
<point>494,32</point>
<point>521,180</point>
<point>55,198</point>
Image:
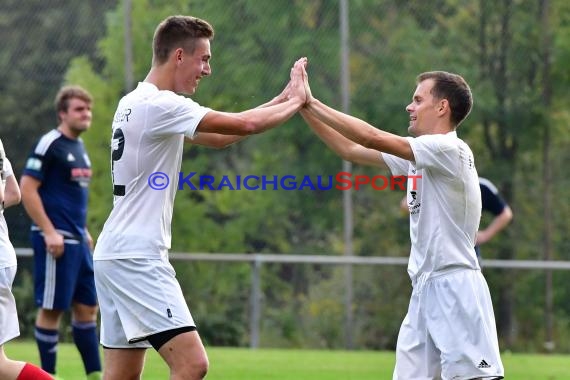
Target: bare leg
<point>48,319</point>
<point>185,356</point>
<point>17,370</point>
<point>9,369</point>
<point>123,363</point>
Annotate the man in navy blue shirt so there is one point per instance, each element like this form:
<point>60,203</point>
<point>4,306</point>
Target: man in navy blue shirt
<point>492,202</point>
<point>54,189</point>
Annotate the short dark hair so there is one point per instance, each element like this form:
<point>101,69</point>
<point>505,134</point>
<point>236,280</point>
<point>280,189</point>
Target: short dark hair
<point>66,93</point>
<point>178,31</point>
<point>453,88</point>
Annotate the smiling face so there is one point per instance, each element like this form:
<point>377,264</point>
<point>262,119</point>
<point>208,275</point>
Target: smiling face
<point>425,110</point>
<point>191,67</point>
<point>77,118</point>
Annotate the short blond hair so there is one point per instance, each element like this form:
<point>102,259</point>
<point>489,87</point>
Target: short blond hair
<point>178,31</point>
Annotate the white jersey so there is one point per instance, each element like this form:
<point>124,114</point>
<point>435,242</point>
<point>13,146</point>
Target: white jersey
<point>149,127</point>
<point>445,206</point>
<point>7,253</point>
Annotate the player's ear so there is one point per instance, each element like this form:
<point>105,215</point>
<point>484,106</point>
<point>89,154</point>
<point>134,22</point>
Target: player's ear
<point>60,115</point>
<point>179,55</point>
<point>443,106</point>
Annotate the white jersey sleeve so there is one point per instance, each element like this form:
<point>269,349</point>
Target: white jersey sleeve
<point>440,153</point>
<point>174,114</point>
<point>398,166</point>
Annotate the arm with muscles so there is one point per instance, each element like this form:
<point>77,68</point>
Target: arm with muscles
<point>214,140</point>
<point>284,95</point>
<point>357,130</point>
<point>35,209</point>
<point>499,222</point>
<point>262,118</point>
<point>218,141</point>
<point>342,146</point>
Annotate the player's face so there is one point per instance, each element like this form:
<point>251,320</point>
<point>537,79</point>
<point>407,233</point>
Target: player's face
<point>423,109</point>
<point>77,118</point>
<point>191,67</point>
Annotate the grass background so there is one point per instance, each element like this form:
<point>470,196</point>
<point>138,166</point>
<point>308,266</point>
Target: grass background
<point>277,364</point>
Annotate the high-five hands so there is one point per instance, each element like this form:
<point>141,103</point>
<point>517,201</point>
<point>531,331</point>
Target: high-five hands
<point>294,87</point>
<point>296,83</point>
<point>299,72</point>
<point>308,95</point>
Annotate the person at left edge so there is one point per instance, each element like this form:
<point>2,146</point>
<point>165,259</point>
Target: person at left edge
<point>54,189</point>
<point>9,327</point>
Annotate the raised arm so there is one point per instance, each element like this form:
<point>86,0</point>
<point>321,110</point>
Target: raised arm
<point>347,149</point>
<point>262,118</point>
<point>282,97</point>
<point>218,141</point>
<point>214,140</point>
<point>354,129</point>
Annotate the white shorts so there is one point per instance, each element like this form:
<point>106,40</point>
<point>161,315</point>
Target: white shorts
<point>449,331</point>
<point>9,328</point>
<point>138,298</point>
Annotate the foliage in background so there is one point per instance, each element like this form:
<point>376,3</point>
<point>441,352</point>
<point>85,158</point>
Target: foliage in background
<point>39,39</point>
<point>496,46</point>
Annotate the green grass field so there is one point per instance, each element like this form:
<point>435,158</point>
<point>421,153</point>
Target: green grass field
<point>273,364</point>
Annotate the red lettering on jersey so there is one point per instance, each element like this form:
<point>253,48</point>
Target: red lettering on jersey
<point>81,173</point>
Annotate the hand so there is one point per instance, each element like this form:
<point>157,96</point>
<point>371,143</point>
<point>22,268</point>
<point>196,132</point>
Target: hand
<point>308,95</point>
<point>296,85</point>
<point>284,95</point>
<point>54,244</point>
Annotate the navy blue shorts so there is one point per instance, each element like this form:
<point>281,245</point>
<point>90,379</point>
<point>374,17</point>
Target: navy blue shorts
<point>59,283</point>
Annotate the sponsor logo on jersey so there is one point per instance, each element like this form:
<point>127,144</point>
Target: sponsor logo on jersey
<point>81,175</point>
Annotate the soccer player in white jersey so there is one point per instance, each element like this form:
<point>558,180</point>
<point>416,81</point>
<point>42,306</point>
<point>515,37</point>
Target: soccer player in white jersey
<point>140,299</point>
<point>9,328</point>
<point>449,331</point>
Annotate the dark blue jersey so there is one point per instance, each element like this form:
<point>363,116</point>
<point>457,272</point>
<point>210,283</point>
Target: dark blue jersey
<point>62,166</point>
<point>491,201</point>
